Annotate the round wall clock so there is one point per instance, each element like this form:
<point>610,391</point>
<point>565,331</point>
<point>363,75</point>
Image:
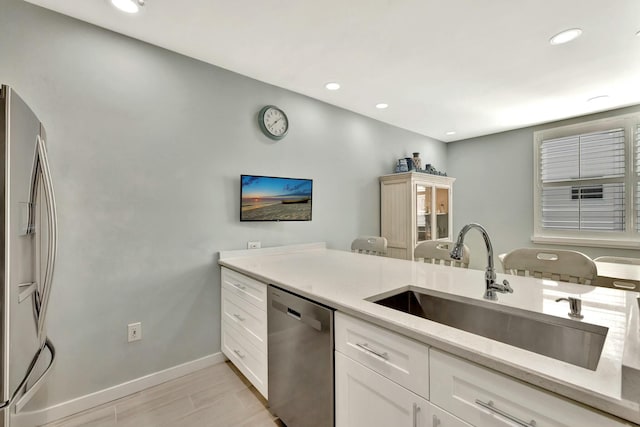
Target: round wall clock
<point>273,122</point>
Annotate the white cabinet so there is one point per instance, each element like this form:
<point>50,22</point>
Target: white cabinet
<point>382,379</point>
<point>365,398</point>
<point>414,207</point>
<point>485,398</point>
<point>394,356</point>
<point>244,326</point>
<point>379,381</point>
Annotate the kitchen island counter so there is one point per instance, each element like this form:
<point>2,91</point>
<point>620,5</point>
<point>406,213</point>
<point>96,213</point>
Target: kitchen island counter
<point>345,280</point>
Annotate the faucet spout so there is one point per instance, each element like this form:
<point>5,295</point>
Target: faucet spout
<point>575,305</point>
<point>490,274</point>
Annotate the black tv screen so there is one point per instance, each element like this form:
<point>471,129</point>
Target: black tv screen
<point>268,198</point>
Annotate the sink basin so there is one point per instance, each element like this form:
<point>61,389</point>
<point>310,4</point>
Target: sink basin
<point>568,340</point>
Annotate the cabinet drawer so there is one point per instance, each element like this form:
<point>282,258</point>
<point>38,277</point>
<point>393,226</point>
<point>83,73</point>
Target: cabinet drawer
<point>392,355</point>
<point>252,364</point>
<point>486,398</point>
<point>252,323</point>
<point>246,288</point>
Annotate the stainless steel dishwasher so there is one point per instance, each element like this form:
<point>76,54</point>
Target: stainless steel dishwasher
<point>300,352</point>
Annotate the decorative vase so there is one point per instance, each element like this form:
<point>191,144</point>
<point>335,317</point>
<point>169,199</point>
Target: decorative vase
<point>409,163</point>
<point>417,161</point>
<point>397,168</point>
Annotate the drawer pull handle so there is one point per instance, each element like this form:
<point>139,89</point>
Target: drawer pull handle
<point>365,347</point>
<point>239,286</point>
<point>416,409</point>
<point>239,353</point>
<point>518,421</point>
<point>240,318</point>
<point>436,421</point>
<point>624,285</point>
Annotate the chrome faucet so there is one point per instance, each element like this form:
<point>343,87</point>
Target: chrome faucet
<point>575,305</point>
<point>490,274</point>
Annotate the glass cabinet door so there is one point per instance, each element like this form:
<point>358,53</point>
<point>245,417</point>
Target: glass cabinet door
<point>442,215</point>
<point>423,213</point>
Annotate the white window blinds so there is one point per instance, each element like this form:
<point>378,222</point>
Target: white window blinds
<point>582,178</point>
<point>592,155</point>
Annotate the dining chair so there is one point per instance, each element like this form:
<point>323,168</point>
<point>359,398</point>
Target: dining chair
<point>435,252</point>
<point>554,264</point>
<point>618,260</point>
<point>370,245</point>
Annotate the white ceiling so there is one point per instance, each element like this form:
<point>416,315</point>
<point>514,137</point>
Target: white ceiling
<point>471,66</point>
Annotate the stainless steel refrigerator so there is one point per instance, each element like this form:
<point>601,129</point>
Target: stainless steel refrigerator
<point>28,239</point>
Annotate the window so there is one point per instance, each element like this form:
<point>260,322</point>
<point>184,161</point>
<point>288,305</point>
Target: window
<point>587,186</point>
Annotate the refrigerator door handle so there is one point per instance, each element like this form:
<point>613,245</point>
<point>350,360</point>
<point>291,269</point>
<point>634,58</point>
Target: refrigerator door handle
<point>31,391</point>
<point>52,241</point>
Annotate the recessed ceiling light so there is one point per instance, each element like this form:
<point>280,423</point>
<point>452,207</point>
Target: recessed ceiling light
<point>451,132</point>
<point>382,106</point>
<point>638,33</point>
<point>128,6</point>
<point>598,99</point>
<point>332,86</point>
<point>566,36</point>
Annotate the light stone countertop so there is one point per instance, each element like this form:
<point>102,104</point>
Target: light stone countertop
<point>344,280</point>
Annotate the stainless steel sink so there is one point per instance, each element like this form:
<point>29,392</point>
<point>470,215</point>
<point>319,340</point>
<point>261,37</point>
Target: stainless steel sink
<point>568,340</point>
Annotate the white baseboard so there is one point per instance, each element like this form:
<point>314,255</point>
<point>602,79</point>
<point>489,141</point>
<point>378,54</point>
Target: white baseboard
<point>82,403</point>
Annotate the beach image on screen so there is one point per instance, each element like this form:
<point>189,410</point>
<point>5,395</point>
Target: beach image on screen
<point>275,199</point>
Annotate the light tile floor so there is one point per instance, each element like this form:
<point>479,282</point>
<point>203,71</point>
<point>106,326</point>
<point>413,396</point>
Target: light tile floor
<point>216,396</point>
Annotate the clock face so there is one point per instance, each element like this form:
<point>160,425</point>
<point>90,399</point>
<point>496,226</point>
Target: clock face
<point>273,122</point>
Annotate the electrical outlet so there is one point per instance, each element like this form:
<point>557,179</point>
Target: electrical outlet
<point>253,245</point>
<point>134,331</point>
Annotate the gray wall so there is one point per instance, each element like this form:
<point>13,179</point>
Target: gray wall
<point>146,149</point>
<point>494,187</point>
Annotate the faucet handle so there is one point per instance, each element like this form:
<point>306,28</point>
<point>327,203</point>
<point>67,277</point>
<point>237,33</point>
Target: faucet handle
<point>575,305</point>
<point>507,286</point>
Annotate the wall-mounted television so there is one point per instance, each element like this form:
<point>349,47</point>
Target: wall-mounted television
<point>269,198</point>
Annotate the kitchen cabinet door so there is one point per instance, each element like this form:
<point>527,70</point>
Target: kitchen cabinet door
<point>365,398</point>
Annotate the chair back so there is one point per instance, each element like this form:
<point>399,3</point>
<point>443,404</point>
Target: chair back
<point>560,265</point>
<point>370,245</point>
<point>434,252</point>
<point>618,260</point>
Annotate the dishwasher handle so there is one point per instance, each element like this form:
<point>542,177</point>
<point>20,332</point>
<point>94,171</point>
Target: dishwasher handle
<point>292,313</point>
<point>305,318</point>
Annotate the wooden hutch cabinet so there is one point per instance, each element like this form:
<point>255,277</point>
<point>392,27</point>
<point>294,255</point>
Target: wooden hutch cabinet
<point>414,207</point>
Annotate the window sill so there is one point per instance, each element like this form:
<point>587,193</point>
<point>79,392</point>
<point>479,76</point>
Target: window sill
<point>591,242</point>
